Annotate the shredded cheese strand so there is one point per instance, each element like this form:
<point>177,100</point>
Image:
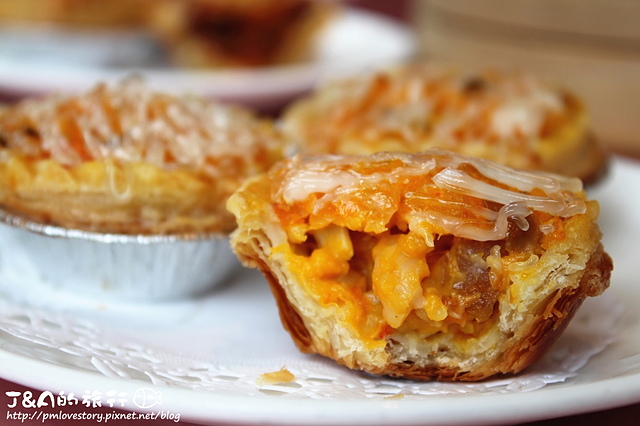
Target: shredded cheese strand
<point>334,177</point>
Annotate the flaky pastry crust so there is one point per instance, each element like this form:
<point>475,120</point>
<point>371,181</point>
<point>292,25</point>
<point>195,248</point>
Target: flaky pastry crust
<point>510,118</point>
<point>127,159</point>
<point>423,266</point>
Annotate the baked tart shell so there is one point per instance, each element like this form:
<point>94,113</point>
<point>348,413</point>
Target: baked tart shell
<point>538,298</point>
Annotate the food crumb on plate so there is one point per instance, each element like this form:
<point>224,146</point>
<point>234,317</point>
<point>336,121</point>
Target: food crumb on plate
<point>275,377</point>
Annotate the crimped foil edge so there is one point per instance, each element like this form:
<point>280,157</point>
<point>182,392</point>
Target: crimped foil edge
<point>142,268</point>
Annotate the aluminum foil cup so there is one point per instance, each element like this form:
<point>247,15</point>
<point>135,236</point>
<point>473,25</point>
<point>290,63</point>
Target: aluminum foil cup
<point>113,266</point>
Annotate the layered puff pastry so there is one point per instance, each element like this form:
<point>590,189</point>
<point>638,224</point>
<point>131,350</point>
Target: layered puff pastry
<point>507,117</point>
<point>124,158</point>
<point>425,266</point>
<point>239,33</point>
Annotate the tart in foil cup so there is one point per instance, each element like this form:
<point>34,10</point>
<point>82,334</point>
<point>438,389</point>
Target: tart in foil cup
<point>120,267</point>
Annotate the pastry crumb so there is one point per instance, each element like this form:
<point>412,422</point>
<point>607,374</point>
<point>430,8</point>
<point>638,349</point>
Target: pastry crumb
<point>276,377</point>
<point>396,396</point>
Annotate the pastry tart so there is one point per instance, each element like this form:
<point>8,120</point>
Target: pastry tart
<point>510,118</point>
<point>239,33</point>
<point>426,266</point>
<point>114,14</point>
<point>125,159</point>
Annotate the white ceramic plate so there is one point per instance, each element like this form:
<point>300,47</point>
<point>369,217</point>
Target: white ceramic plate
<point>355,41</point>
<point>203,358</point>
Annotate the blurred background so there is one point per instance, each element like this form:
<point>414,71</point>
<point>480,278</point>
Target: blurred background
<point>261,53</point>
<point>264,53</point>
<point>590,46</point>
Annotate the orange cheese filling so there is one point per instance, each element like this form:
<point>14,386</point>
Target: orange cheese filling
<point>415,246</point>
<point>397,282</point>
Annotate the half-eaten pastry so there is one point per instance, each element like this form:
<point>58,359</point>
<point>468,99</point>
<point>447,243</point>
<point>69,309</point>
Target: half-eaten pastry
<point>513,118</point>
<point>426,266</point>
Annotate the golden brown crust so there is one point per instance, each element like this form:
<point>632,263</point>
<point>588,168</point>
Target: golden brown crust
<point>291,320</point>
<point>542,333</point>
<point>552,271</point>
<point>590,163</point>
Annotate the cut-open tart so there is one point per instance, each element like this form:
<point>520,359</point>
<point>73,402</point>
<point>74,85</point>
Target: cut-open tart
<point>427,266</point>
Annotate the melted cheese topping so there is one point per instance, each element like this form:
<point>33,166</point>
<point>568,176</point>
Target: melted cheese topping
<point>462,199</point>
<point>127,159</point>
<point>499,116</point>
<point>131,123</point>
